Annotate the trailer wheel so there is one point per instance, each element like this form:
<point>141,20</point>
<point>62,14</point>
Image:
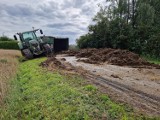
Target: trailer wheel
<point>47,49</point>
<point>27,53</point>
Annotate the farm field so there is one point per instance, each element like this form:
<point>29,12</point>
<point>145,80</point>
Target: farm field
<point>8,68</point>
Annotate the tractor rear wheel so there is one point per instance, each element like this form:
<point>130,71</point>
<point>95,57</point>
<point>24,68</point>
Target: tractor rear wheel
<point>27,53</point>
<point>47,49</point>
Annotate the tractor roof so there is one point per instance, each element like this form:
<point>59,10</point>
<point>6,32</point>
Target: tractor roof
<point>28,31</point>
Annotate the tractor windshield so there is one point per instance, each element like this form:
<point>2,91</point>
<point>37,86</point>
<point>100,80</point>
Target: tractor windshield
<point>27,36</point>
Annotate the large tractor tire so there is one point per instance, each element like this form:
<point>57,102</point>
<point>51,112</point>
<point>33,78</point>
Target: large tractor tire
<point>47,49</point>
<point>27,53</point>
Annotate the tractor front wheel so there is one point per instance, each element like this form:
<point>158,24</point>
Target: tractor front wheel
<point>47,49</point>
<point>27,53</point>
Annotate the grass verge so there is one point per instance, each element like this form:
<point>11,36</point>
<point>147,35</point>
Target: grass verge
<point>39,94</point>
<point>152,60</point>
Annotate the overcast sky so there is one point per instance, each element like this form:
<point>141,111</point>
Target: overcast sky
<point>59,18</point>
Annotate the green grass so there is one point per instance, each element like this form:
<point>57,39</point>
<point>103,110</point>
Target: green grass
<point>152,60</point>
<point>155,61</point>
<point>38,94</point>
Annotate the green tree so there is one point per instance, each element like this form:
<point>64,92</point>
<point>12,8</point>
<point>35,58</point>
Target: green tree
<point>126,24</point>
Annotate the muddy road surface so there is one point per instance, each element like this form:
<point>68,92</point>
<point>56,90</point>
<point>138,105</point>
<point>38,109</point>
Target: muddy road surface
<point>138,87</point>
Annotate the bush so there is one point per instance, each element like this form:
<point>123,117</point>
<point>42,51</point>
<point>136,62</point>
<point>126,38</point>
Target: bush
<point>9,45</point>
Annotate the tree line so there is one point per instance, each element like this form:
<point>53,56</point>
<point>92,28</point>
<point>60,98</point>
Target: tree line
<point>126,24</point>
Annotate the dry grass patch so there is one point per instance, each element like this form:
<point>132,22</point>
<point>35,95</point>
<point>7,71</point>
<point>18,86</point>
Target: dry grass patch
<point>8,68</point>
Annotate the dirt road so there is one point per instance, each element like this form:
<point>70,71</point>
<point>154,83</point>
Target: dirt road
<point>138,87</point>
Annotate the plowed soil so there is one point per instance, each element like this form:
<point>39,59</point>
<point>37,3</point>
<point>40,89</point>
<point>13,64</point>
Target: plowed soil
<point>111,56</point>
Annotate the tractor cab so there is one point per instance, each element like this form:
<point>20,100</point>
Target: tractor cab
<point>27,36</point>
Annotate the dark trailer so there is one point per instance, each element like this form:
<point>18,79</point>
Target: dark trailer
<point>58,44</point>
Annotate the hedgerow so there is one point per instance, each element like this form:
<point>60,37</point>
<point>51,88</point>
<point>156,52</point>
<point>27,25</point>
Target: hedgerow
<point>9,45</point>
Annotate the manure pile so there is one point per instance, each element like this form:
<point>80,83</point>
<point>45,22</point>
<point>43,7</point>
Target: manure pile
<point>110,56</point>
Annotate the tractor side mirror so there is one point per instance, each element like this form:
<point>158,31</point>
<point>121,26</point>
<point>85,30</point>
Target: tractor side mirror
<point>15,37</point>
<point>41,31</point>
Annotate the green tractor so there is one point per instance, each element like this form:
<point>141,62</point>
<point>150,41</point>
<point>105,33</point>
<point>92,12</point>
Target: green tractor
<point>31,45</point>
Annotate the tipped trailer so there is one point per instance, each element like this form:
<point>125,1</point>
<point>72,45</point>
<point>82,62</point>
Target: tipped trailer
<point>57,44</point>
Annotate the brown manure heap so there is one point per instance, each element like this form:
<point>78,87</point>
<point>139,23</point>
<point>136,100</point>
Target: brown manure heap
<point>52,63</point>
<point>112,56</point>
<point>70,52</point>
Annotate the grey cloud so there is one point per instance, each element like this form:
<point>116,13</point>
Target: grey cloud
<point>74,3</point>
<point>87,10</point>
<point>66,28</point>
<point>60,25</point>
<point>68,33</point>
<point>68,18</point>
<point>20,10</point>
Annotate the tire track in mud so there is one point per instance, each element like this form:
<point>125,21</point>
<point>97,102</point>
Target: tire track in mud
<point>122,87</point>
<point>149,102</point>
